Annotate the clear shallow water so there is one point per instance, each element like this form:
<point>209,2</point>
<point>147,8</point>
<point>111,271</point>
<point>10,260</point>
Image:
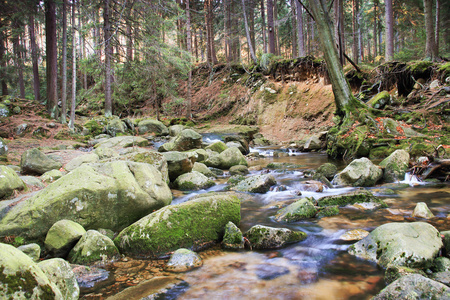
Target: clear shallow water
<point>316,268</point>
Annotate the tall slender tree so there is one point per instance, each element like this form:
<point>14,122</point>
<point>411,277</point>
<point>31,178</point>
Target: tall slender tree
<point>189,49</point>
<point>247,32</point>
<point>355,25</point>
<point>108,56</point>
<point>300,33</point>
<point>34,58</point>
<point>52,58</point>
<point>64,64</point>
<point>263,26</point>
<point>389,16</point>
<point>74,70</point>
<point>270,27</point>
<point>430,47</point>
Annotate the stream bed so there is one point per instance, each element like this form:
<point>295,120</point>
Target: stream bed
<point>316,268</point>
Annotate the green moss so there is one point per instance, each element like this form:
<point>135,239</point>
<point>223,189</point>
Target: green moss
<point>24,282</point>
<point>445,70</point>
<point>328,211</point>
<point>361,196</point>
<point>94,127</point>
<point>421,149</point>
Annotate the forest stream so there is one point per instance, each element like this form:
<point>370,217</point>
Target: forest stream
<point>316,268</point>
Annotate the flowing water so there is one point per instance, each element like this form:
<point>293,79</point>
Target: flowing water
<point>316,268</point>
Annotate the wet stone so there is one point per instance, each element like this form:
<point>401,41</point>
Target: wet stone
<point>87,277</point>
<point>269,271</point>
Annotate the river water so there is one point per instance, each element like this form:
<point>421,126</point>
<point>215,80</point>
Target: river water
<point>316,268</point>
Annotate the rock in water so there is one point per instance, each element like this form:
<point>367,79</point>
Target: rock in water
<point>264,237</point>
<point>194,224</point>
<point>422,211</point>
<point>93,247</point>
<point>395,166</point>
<point>183,260</point>
<point>360,172</point>
<point>413,245</point>
<point>21,278</point>
<point>256,184</point>
<point>233,238</point>
<point>193,181</point>
<point>301,209</point>
<point>414,286</point>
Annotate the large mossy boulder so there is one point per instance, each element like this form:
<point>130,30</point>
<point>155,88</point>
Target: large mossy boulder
<point>111,196</point>
<point>62,236</point>
<point>233,238</point>
<point>193,181</point>
<point>380,100</point>
<point>194,224</point>
<point>9,182</point>
<point>82,159</point>
<point>395,166</point>
<point>328,170</point>
<point>178,163</point>
<point>299,210</point>
<point>413,245</point>
<point>358,196</point>
<point>264,237</point>
<point>93,247</point>
<point>152,126</point>
<point>231,157</point>
<point>313,143</point>
<point>187,139</point>
<point>60,273</point>
<point>154,158</point>
<point>412,287</point>
<point>21,278</point>
<point>202,168</point>
<point>123,142</point>
<point>360,172</point>
<point>115,126</point>
<point>35,162</point>
<point>33,250</point>
<point>256,184</point>
<point>218,147</point>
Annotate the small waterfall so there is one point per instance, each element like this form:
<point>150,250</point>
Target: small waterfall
<point>412,180</point>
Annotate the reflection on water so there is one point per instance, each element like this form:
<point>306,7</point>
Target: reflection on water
<point>318,267</point>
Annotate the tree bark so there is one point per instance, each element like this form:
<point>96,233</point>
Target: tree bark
<point>52,58</point>
<point>74,71</point>
<point>189,49</point>
<point>3,61</point>
<point>108,55</point>
<point>355,26</point>
<point>430,49</point>
<point>389,16</point>
<point>64,64</point>
<point>300,33</point>
<point>270,27</point>
<point>375,29</point>
<point>437,26</point>
<point>339,28</point>
<point>342,93</point>
<point>247,32</point>
<point>17,49</point>
<point>212,58</point>
<point>263,26</point>
<point>34,59</point>
<point>294,29</point>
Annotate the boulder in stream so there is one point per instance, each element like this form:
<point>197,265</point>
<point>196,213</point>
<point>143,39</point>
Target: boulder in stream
<point>186,140</point>
<point>231,157</point>
<point>301,209</point>
<point>360,172</point>
<point>395,166</point>
<point>193,181</point>
<point>359,196</point>
<point>153,126</point>
<point>179,163</point>
<point>422,211</point>
<point>264,237</point>
<point>233,238</point>
<point>183,260</point>
<point>60,273</point>
<point>413,245</point>
<point>256,184</point>
<point>194,224</point>
<point>93,247</point>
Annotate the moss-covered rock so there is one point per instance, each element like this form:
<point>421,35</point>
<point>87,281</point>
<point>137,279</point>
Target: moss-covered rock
<point>193,181</point>
<point>174,130</point>
<point>239,170</point>
<point>233,238</point>
<point>186,140</point>
<point>264,237</point>
<point>3,147</point>
<point>218,147</point>
<point>21,278</point>
<point>183,260</point>
<point>441,264</point>
<point>115,126</point>
<point>359,196</point>
<point>35,162</point>
<point>93,247</point>
<point>62,236</point>
<point>301,209</point>
<point>51,176</point>
<point>360,172</point>
<point>123,142</point>
<point>414,286</point>
<point>156,159</point>
<point>231,157</point>
<point>9,182</point>
<point>194,224</point>
<point>178,163</point>
<point>446,241</point>
<point>256,184</point>
<point>394,272</point>
<point>328,170</point>
<point>153,126</point>
<point>395,166</point>
<point>380,100</point>
<point>422,211</point>
<point>82,159</point>
<point>328,211</point>
<point>32,250</point>
<point>413,245</point>
<point>202,168</point>
<point>60,273</point>
<point>111,195</point>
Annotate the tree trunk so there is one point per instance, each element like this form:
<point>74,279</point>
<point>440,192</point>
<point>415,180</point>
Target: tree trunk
<point>129,37</point>
<point>263,26</point>
<point>3,61</point>
<point>339,28</point>
<point>52,58</point>
<point>83,46</point>
<point>74,71</point>
<point>108,55</point>
<point>247,32</point>
<point>437,26</point>
<point>375,29</point>
<point>34,59</point>
<point>430,49</point>
<point>189,46</point>
<point>355,26</point>
<point>251,22</point>
<point>275,27</point>
<point>342,93</point>
<point>64,64</point>
<point>294,27</point>
<point>389,30</point>
<point>18,61</point>
<point>212,58</point>
<point>270,27</point>
<point>300,33</point>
